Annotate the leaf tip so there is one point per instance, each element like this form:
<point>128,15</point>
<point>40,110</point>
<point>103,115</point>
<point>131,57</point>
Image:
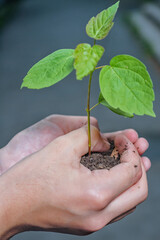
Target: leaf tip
<point>116,4</point>
<point>153,114</point>
<point>22,85</point>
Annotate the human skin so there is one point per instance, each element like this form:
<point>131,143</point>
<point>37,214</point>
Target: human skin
<point>42,189</point>
<point>40,134</point>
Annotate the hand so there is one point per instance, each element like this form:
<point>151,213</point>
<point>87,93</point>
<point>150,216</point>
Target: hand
<point>40,134</point>
<point>141,144</point>
<point>51,190</point>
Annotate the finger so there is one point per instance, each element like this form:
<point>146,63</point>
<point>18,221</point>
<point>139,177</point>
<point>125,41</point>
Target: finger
<point>129,199</point>
<point>119,178</point>
<point>146,162</point>
<point>131,134</point>
<point>76,142</point>
<point>122,215</point>
<point>142,145</point>
<point>70,123</point>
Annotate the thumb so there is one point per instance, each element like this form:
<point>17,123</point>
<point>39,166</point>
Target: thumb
<point>77,141</point>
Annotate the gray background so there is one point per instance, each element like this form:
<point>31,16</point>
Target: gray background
<point>41,27</point>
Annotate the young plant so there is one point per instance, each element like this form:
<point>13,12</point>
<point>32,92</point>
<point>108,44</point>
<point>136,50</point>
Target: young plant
<point>125,85</point>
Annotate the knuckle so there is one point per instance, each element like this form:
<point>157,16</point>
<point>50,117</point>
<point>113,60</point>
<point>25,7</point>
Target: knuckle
<point>94,224</point>
<point>96,199</point>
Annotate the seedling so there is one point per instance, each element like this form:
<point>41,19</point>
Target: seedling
<point>125,85</point>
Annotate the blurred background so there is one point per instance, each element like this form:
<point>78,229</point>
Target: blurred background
<point>30,30</point>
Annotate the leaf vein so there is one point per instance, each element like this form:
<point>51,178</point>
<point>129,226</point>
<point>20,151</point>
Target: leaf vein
<point>130,90</point>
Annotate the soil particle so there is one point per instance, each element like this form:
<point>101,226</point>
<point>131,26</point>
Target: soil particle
<point>104,160</point>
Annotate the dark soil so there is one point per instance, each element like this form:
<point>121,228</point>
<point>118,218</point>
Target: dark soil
<point>104,160</point>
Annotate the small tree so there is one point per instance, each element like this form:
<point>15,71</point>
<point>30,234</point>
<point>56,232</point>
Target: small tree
<point>125,85</point>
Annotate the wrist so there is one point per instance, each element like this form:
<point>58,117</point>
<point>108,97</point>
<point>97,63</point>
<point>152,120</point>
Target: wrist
<point>10,207</point>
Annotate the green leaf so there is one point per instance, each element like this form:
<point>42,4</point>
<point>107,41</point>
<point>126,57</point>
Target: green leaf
<point>50,69</point>
<point>126,85</point>
<point>98,27</point>
<point>86,59</point>
<point>115,110</point>
<point>132,63</point>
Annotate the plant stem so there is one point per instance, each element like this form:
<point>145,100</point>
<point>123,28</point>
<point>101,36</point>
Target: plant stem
<point>94,106</point>
<point>88,114</point>
<point>100,67</point>
<point>88,110</point>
